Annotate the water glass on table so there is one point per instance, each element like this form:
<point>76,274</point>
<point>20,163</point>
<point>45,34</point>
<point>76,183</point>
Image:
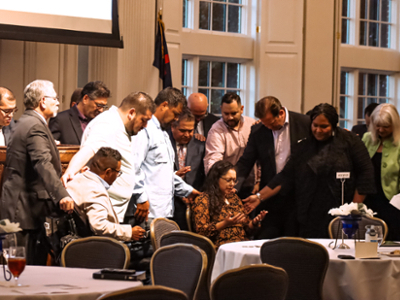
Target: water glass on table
<point>16,262</point>
<point>379,234</point>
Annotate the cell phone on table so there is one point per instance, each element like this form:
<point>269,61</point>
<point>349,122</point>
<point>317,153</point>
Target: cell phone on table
<point>343,256</point>
<point>117,271</point>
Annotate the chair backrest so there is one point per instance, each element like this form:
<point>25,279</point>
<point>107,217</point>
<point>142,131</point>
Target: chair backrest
<point>179,266</point>
<point>189,218</point>
<point>304,261</point>
<point>96,252</point>
<point>255,282</point>
<point>154,292</point>
<point>335,227</point>
<point>158,227</point>
<point>204,244</point>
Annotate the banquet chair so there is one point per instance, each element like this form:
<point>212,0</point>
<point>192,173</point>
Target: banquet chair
<point>189,219</point>
<point>158,227</point>
<point>335,227</point>
<point>95,253</point>
<point>179,266</point>
<point>155,292</point>
<point>255,282</point>
<point>204,244</point>
<point>304,261</point>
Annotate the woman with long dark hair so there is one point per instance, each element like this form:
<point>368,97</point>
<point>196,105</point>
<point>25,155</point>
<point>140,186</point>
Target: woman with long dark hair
<point>218,213</point>
<point>312,172</point>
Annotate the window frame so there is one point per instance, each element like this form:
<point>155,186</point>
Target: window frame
<point>192,80</point>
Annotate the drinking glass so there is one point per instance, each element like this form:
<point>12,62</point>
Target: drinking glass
<point>379,234</point>
<point>16,262</point>
<point>10,240</point>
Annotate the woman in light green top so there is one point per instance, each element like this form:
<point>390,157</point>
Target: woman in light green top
<point>383,144</point>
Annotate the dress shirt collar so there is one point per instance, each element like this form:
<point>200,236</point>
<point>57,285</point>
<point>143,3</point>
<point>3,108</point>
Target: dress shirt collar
<point>106,185</point>
<point>156,122</point>
<point>43,119</point>
<point>286,121</point>
<point>81,115</point>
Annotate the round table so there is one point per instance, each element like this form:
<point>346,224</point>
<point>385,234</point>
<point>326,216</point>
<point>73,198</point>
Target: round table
<point>60,283</point>
<point>345,279</point>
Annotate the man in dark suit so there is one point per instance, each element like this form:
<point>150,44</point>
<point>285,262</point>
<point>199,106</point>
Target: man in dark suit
<point>69,125</point>
<point>271,143</point>
<point>189,154</point>
<point>363,128</point>
<point>198,105</point>
<point>8,106</point>
<point>32,189</point>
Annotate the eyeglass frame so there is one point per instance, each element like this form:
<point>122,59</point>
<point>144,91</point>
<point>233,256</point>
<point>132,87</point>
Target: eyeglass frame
<point>234,181</point>
<point>119,172</point>
<point>54,98</point>
<point>100,106</point>
<point>7,112</point>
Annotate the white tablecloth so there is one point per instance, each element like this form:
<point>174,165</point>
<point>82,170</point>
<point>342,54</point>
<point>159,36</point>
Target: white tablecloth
<point>360,279</point>
<point>59,283</point>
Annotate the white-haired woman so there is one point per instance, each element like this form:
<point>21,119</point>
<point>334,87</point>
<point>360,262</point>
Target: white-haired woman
<point>383,144</point>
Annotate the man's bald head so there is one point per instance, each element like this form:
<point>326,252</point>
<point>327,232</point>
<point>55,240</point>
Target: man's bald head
<point>8,106</point>
<point>198,104</point>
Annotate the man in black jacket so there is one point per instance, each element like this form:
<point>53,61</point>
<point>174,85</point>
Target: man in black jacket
<point>270,144</point>
<point>69,125</point>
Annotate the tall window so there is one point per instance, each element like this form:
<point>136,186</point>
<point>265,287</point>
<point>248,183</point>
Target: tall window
<point>346,22</point>
<point>217,79</point>
<point>185,67</point>
<point>345,114</point>
<point>212,78</point>
<point>375,23</point>
<point>372,88</point>
<point>222,15</point>
<point>365,88</point>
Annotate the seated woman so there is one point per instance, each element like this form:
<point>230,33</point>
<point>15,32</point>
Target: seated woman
<point>218,213</point>
<point>383,144</point>
<point>311,173</point>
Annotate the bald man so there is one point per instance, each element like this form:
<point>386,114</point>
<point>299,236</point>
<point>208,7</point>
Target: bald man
<point>8,106</point>
<point>198,105</point>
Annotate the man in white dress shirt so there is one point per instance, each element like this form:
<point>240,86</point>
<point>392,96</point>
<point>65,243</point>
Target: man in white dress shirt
<point>155,158</point>
<point>115,128</point>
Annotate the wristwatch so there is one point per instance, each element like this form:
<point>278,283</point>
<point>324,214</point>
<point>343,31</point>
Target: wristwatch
<point>259,196</point>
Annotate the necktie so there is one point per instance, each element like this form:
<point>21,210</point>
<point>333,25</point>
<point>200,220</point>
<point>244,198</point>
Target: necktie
<point>181,156</point>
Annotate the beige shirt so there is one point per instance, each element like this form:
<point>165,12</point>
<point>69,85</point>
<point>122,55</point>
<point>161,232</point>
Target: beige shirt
<point>92,202</point>
<point>224,143</point>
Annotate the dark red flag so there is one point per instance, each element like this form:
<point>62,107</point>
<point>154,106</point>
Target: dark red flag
<point>161,58</point>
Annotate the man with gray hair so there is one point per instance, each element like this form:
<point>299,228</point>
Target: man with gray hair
<point>115,128</point>
<point>32,189</point>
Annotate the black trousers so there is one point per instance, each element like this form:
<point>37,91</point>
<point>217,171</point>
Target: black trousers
<point>36,246</point>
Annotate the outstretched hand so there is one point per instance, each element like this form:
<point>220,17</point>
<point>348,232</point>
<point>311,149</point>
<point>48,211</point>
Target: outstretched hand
<point>233,220</point>
<point>257,220</point>
<point>250,203</point>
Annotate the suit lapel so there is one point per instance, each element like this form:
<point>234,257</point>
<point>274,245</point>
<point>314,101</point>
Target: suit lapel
<point>76,124</point>
<point>53,147</point>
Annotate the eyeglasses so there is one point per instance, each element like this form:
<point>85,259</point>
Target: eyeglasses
<point>230,180</point>
<point>118,171</point>
<point>100,106</point>
<point>9,111</point>
<point>54,98</point>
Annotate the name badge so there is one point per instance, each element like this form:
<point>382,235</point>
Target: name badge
<point>342,175</point>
